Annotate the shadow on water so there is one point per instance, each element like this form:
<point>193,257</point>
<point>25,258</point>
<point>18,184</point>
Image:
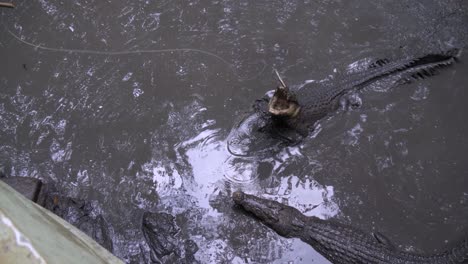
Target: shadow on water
<point>130,105</point>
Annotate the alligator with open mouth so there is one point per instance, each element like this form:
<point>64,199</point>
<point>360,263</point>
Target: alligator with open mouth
<point>291,113</point>
<point>339,243</point>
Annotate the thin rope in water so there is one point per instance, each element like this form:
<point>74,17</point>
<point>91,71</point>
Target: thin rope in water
<point>129,52</point>
<point>114,53</point>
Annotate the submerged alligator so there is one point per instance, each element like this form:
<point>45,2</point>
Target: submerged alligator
<point>339,243</point>
<point>289,115</point>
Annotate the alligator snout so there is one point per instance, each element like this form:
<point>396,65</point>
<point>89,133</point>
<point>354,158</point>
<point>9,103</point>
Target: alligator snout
<point>238,197</point>
<point>285,220</point>
<point>283,103</point>
<point>264,210</point>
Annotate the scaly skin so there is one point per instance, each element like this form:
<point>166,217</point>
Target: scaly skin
<point>322,99</point>
<point>292,113</point>
<point>317,100</point>
<point>339,243</point>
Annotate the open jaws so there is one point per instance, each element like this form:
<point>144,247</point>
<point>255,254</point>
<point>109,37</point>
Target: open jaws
<point>283,103</point>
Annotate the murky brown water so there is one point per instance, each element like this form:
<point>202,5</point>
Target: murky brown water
<point>129,103</point>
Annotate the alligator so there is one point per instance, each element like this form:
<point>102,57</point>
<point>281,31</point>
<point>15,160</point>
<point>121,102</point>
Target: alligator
<point>338,242</point>
<point>289,115</point>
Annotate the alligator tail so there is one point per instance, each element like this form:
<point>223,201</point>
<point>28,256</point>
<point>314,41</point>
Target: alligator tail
<point>418,68</point>
<point>429,65</point>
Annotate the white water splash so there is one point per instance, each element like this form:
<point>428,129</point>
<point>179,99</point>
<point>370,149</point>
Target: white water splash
<point>127,76</point>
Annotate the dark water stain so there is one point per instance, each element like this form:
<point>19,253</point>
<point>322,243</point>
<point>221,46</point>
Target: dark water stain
<point>96,110</point>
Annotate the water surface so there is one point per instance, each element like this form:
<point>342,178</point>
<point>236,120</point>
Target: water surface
<point>128,104</point>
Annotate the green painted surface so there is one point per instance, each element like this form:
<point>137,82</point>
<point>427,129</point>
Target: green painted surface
<point>31,234</point>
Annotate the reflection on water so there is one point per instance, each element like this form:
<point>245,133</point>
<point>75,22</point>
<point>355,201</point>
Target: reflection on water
<point>131,104</point>
<point>238,170</point>
<point>215,174</point>
<point>197,184</point>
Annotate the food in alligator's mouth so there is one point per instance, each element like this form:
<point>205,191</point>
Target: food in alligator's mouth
<point>283,102</point>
